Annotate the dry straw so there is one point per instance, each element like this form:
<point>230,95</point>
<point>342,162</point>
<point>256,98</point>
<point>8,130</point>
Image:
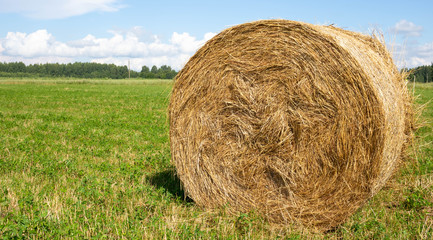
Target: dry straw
<point>302,123</point>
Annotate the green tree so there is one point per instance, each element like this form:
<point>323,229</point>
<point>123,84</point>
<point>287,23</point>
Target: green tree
<point>154,69</point>
<point>82,70</point>
<point>144,72</point>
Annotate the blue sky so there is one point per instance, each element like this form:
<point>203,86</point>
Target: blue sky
<point>169,32</point>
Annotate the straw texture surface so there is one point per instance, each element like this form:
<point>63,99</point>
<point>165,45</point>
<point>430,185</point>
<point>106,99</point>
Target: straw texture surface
<point>302,123</point>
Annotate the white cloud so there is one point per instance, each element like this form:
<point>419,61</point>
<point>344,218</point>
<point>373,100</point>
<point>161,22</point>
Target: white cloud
<point>118,49</point>
<point>188,43</point>
<point>58,9</point>
<point>406,28</point>
<point>413,54</point>
<point>421,55</point>
<point>36,44</point>
<point>142,48</point>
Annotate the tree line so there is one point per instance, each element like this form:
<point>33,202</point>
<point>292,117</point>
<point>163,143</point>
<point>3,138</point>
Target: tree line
<point>103,70</point>
<point>421,74</point>
<point>83,70</point>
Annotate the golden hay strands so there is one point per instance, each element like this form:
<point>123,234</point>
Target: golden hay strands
<point>303,123</point>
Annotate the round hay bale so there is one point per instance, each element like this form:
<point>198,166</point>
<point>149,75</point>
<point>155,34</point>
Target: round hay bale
<point>302,123</point>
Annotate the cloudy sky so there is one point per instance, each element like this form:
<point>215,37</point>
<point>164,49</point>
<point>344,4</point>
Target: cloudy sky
<point>166,32</point>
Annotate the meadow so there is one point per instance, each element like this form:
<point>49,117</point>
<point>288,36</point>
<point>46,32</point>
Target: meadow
<point>88,159</point>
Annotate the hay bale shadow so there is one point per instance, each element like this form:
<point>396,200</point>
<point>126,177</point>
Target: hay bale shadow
<point>168,180</point>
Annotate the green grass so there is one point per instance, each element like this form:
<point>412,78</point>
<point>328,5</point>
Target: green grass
<point>91,159</point>
<point>47,81</point>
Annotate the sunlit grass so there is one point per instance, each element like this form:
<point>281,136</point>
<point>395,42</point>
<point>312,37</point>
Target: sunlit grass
<point>47,81</point>
<point>91,159</point>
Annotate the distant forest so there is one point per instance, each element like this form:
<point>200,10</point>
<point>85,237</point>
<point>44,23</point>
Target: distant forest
<point>99,70</point>
<point>421,74</point>
<point>83,70</point>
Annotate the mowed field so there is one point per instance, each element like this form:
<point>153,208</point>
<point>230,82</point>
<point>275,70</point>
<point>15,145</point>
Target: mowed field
<point>91,159</point>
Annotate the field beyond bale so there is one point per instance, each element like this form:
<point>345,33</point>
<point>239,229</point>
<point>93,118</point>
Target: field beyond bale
<point>91,159</point>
